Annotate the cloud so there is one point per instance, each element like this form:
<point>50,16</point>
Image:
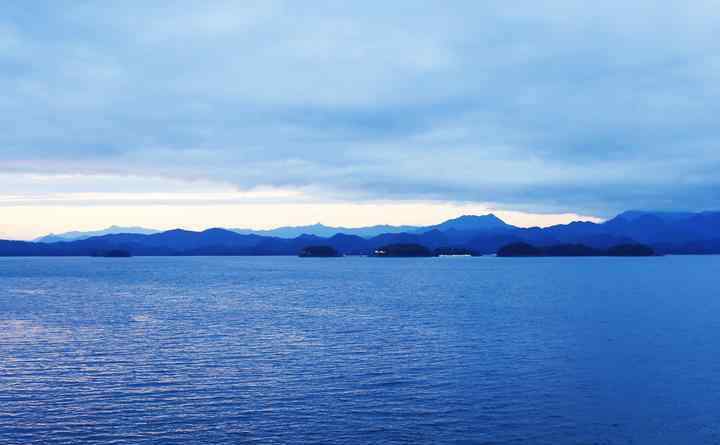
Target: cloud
<point>553,106</point>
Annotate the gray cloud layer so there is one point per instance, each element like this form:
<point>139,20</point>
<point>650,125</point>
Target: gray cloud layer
<point>541,106</point>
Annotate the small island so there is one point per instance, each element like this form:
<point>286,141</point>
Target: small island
<point>631,250</point>
<point>401,251</point>
<point>573,250</point>
<point>114,253</point>
<point>455,251</point>
<point>319,252</point>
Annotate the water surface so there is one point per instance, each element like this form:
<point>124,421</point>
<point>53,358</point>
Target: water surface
<point>360,350</point>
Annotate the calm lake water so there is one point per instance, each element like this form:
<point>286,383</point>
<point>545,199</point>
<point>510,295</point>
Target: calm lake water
<point>360,350</point>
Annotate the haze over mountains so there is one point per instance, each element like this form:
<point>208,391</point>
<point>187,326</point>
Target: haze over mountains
<point>77,235</point>
<point>327,231</point>
<point>677,233</point>
<point>467,222</point>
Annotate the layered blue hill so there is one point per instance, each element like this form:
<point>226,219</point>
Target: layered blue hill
<point>466,222</point>
<point>677,233</point>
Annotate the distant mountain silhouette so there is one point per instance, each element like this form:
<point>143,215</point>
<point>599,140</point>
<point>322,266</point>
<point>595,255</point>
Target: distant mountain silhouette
<point>74,236</point>
<point>466,222</point>
<point>632,215</point>
<point>327,231</point>
<point>677,233</point>
<point>473,223</point>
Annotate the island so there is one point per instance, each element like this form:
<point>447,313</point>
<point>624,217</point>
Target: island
<point>573,250</point>
<point>319,252</point>
<point>114,253</point>
<point>401,251</point>
<point>455,251</point>
<point>631,250</point>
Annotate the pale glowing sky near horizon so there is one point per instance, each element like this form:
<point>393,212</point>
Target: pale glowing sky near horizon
<point>243,113</point>
<point>60,203</point>
<point>57,212</point>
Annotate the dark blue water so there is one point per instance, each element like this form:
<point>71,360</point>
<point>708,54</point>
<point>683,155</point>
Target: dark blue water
<point>360,350</point>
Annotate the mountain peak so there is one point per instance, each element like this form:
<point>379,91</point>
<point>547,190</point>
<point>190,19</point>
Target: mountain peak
<point>473,222</point>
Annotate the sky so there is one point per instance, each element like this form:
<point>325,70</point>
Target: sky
<point>268,113</point>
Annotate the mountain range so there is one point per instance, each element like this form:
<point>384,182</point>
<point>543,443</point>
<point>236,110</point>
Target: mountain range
<point>674,233</point>
<point>467,222</point>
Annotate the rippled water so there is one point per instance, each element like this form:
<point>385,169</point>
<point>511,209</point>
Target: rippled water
<point>360,350</point>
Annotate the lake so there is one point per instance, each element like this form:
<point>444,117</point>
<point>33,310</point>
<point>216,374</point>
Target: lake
<point>360,350</point>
